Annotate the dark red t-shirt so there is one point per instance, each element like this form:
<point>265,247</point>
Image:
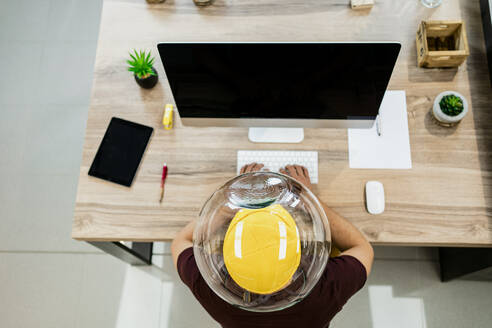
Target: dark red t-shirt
<point>342,278</point>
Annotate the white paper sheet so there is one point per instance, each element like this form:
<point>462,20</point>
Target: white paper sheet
<point>391,150</point>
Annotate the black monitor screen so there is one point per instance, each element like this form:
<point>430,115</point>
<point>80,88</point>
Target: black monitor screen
<point>279,80</point>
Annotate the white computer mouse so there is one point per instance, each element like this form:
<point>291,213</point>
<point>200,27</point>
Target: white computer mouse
<point>375,197</point>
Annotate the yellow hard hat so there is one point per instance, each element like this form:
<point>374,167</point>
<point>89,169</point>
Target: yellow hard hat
<point>262,249</point>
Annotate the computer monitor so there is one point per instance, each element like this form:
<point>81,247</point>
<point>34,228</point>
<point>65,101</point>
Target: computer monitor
<point>308,84</point>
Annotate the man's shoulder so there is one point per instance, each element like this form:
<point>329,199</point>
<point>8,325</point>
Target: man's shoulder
<point>344,264</point>
<point>346,260</point>
<point>186,254</point>
<point>187,267</point>
<point>345,273</point>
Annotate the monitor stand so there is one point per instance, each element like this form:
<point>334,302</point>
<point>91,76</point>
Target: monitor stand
<point>276,135</point>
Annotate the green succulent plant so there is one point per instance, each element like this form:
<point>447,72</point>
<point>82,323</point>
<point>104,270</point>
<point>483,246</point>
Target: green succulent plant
<point>451,105</point>
<point>141,64</point>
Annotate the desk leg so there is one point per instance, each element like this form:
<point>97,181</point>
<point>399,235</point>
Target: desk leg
<point>458,262</point>
<point>139,254</point>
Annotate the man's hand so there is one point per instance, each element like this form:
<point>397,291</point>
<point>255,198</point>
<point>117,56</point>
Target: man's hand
<point>252,167</point>
<point>299,173</point>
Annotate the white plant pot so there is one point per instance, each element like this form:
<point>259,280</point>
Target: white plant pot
<point>444,119</point>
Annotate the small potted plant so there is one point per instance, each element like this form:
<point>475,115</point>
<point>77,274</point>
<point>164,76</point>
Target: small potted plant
<point>143,71</point>
<point>450,108</point>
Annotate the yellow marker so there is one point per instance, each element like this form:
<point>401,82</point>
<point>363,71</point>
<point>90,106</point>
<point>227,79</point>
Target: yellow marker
<point>167,119</point>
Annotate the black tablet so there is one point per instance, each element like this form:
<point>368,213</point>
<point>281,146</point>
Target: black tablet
<point>120,151</point>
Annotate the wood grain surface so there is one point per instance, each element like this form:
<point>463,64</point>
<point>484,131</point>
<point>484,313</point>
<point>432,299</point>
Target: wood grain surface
<point>445,199</point>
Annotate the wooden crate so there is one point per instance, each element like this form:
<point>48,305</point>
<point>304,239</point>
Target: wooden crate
<point>441,44</point>
<point>361,4</point>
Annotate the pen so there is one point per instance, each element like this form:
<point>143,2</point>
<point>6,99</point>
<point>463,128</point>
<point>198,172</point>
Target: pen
<point>379,127</point>
<point>163,179</point>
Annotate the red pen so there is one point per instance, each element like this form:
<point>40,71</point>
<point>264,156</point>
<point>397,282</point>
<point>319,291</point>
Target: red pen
<point>163,179</point>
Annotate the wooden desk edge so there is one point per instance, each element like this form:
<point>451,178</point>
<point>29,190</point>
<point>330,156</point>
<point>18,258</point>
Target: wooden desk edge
<point>374,243</point>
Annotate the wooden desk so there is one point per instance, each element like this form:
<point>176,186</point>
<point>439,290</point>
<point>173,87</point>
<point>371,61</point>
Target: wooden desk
<point>444,200</point>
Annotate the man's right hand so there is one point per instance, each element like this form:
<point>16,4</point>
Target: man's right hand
<point>299,173</point>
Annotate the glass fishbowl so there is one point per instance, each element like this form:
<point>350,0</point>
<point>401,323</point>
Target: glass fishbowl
<point>262,241</point>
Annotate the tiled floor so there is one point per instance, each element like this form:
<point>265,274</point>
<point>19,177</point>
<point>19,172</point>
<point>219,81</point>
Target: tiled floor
<point>48,280</point>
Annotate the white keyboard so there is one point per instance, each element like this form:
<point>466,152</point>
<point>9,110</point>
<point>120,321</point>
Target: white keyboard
<point>276,159</point>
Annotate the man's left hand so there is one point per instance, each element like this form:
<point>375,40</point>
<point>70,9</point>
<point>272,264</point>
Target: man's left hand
<point>252,167</point>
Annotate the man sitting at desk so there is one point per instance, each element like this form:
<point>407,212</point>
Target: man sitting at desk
<point>343,276</point>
